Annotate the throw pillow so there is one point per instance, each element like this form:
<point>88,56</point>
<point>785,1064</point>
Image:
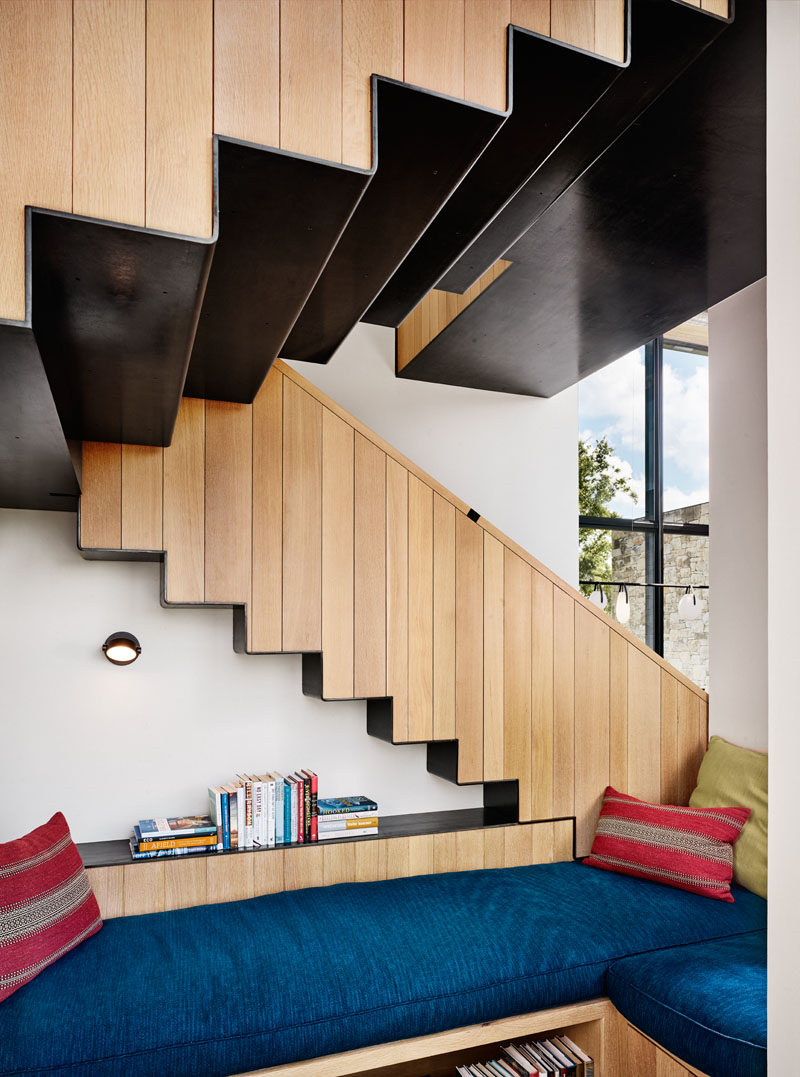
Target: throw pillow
<point>46,903</point>
<point>691,848</point>
<point>733,775</point>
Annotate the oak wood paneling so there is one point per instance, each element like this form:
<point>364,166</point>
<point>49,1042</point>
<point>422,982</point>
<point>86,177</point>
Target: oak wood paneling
<point>572,21</point>
<point>434,45</point>
<point>144,891</point>
<point>268,873</point>
<point>609,29</point>
<point>532,14</point>
<point>644,727</point>
<point>519,846</point>
<point>337,557</point>
<point>618,712</point>
<point>185,884</point>
<point>101,503</point>
<point>184,501</point>
<point>108,152</point>
<point>444,619</point>
<point>35,126</point>
<point>265,616</point>
<point>108,887</point>
<point>716,7</point>
<point>229,879</point>
<point>303,867</point>
<point>420,854</point>
<point>469,649</point>
<point>444,853</point>
<point>469,850</point>
<point>563,703</point>
<point>397,595</point>
<point>541,697</point>
<point>372,43</point>
<point>142,495</point>
<point>311,78</point>
<point>302,520</point>
<point>494,848</point>
<point>247,70</point>
<point>228,502</point>
<point>591,722</point>
<point>692,740</point>
<point>493,622</point>
<point>370,569</point>
<point>420,610</point>
<point>398,864</point>
<point>179,115</point>
<point>517,678</point>
<point>670,769</point>
<point>339,863</point>
<point>485,36</point>
<point>370,861</point>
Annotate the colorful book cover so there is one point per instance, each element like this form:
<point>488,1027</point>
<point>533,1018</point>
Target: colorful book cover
<point>270,811</point>
<point>258,813</point>
<point>215,811</point>
<point>226,818</point>
<point>287,811</point>
<point>201,841</point>
<point>293,806</point>
<point>156,854</point>
<point>327,835</point>
<point>339,805</point>
<point>351,821</point>
<point>182,826</point>
<point>241,806</point>
<point>279,809</point>
<point>301,808</point>
<point>313,787</point>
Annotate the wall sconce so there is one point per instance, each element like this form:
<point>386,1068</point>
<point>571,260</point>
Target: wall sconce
<point>122,648</point>
<point>688,607</point>
<point>623,607</point>
<point>598,596</point>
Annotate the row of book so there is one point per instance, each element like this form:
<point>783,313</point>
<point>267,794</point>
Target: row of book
<point>557,1055</point>
<point>254,812</point>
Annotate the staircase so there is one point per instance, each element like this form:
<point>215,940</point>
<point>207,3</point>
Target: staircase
<point>326,541</point>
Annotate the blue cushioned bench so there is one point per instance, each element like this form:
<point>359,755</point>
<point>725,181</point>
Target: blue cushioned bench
<point>707,1003</point>
<point>222,989</point>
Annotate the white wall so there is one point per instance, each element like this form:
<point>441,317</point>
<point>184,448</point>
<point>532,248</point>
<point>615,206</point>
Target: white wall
<point>738,497</point>
<point>783,374</point>
<point>514,459</point>
<point>109,745</point>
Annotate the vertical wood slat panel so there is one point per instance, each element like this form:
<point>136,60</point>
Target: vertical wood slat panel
<point>609,29</point>
<point>591,722</point>
<point>247,70</point>
<point>420,854</point>
<point>670,782</point>
<point>518,846</point>
<point>337,557</point>
<point>563,703</point>
<point>184,499</point>
<point>541,697</point>
<point>302,520</point>
<point>372,42</point>
<point>36,120</point>
<point>618,712</point>
<point>265,615</point>
<point>303,867</point>
<point>109,109</point>
<point>444,619</point>
<point>532,15</point>
<point>230,878</point>
<point>572,21</point>
<point>142,496</point>
<point>101,501</point>
<point>494,847</point>
<point>338,863</point>
<point>517,678</point>
<point>717,7</point>
<point>311,78</point>
<point>370,861</point>
<point>485,36</point>
<point>185,884</point>
<point>692,740</point>
<point>144,891</point>
<point>268,872</point>
<point>108,887</point>
<point>469,850</point>
<point>180,117</point>
<point>493,598</point>
<point>228,502</point>
<point>469,649</point>
<point>644,726</point>
<point>398,858</point>
<point>397,595</point>
<point>444,853</point>
<point>370,569</point>
<point>434,45</point>
<point>420,610</point>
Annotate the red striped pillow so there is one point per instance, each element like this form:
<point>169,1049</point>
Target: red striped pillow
<point>691,848</point>
<point>46,903</point>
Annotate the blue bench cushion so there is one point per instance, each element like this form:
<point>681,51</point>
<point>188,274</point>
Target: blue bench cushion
<point>223,989</point>
<point>706,1003</point>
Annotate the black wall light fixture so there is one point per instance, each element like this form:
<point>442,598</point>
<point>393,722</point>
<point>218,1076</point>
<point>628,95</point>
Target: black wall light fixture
<point>122,648</point>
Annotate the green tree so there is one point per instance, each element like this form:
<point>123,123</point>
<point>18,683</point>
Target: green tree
<point>599,481</point>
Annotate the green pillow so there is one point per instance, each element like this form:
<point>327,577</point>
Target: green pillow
<point>737,777</point>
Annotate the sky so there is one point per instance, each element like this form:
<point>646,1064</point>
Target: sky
<point>611,404</point>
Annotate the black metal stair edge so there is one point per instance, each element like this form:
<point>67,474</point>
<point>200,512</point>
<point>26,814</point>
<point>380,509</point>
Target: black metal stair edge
<point>667,222</point>
<point>426,143</point>
<point>542,73</point>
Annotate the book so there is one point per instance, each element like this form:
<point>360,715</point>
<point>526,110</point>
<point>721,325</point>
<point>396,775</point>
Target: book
<point>306,795</point>
<point>313,786</point>
<point>366,832</point>
<point>233,815</point>
<point>258,814</point>
<point>204,841</point>
<point>226,818</point>
<point>579,1066</point>
<point>215,810</point>
<point>301,808</point>
<point>293,806</point>
<point>270,782</point>
<point>279,810</point>
<point>587,1061</point>
<point>137,854</point>
<point>351,821</point>
<point>341,805</point>
<point>182,826</point>
<point>287,811</point>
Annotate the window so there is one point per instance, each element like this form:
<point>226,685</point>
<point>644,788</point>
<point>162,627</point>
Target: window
<point>644,510</point>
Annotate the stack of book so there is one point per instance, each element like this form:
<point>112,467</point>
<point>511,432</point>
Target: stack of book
<point>172,837</point>
<point>256,811</point>
<point>347,817</point>
<point>540,1058</point>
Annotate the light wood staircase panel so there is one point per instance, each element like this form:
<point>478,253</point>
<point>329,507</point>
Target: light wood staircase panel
<point>325,540</point>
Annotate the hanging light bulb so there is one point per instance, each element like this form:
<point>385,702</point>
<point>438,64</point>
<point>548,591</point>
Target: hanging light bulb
<point>623,607</point>
<point>688,607</point>
<point>597,597</point>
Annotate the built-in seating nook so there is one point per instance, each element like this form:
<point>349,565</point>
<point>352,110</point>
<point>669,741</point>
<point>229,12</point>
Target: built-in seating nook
<point>396,401</point>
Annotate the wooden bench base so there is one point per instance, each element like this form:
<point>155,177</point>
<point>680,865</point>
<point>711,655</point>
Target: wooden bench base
<point>619,1049</point>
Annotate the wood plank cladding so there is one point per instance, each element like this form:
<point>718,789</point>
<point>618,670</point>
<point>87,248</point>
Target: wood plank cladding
<point>145,887</point>
<point>336,543</point>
